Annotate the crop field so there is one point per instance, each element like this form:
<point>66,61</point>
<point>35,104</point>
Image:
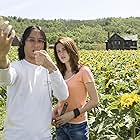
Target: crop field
<point>117,77</point>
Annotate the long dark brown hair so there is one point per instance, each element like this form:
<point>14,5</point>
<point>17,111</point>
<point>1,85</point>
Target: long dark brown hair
<point>72,50</point>
<point>26,34</point>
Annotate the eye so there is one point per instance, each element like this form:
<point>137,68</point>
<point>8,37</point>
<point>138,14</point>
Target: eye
<point>31,40</point>
<point>58,51</point>
<point>40,41</point>
<point>64,49</point>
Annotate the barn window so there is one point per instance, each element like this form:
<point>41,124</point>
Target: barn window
<point>114,42</point>
<point>119,42</point>
<point>134,44</point>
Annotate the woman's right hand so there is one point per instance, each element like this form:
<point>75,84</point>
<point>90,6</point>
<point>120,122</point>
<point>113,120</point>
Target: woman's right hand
<point>65,118</point>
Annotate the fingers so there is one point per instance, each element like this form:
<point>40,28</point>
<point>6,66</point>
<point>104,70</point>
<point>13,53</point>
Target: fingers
<point>39,55</point>
<point>3,26</point>
<point>36,53</point>
<point>1,21</point>
<point>54,123</point>
<point>43,58</point>
<point>59,121</point>
<point>39,58</point>
<point>6,31</point>
<point>41,52</point>
<point>11,37</point>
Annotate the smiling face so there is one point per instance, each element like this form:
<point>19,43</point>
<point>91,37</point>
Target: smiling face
<point>33,43</point>
<point>62,53</point>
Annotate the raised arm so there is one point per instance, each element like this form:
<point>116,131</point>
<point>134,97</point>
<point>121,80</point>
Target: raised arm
<point>5,42</point>
<point>60,89</point>
<point>6,37</point>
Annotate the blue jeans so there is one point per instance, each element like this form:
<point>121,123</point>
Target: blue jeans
<point>73,132</point>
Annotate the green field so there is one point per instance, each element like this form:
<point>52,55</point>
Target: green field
<point>117,76</point>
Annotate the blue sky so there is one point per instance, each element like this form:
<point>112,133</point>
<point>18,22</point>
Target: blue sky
<point>70,9</point>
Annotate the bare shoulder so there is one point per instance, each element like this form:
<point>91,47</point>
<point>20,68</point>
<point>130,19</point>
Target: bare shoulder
<point>85,68</point>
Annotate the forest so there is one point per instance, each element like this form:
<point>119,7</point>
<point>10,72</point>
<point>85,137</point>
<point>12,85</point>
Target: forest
<point>89,34</point>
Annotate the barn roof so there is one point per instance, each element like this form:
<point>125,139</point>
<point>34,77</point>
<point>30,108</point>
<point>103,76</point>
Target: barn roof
<point>130,37</point>
<point>16,41</point>
<point>126,37</point>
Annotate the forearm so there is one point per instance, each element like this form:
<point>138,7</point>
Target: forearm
<point>49,64</point>
<point>93,97</point>
<point>7,76</point>
<point>4,77</point>
<point>4,62</point>
<point>88,106</point>
<point>60,89</point>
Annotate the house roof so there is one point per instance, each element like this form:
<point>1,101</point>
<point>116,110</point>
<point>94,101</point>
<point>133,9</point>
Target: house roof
<point>51,46</point>
<point>126,37</point>
<point>130,37</point>
<point>16,41</point>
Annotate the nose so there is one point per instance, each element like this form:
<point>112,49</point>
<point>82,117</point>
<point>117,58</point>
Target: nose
<point>60,53</point>
<point>36,45</point>
<point>36,42</point>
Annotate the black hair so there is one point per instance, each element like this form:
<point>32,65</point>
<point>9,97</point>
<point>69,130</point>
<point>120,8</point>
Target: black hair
<point>27,32</point>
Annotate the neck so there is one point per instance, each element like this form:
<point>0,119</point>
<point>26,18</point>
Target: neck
<point>32,61</point>
<point>68,67</point>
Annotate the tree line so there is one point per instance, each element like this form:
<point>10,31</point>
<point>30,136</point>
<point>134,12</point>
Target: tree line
<point>89,34</point>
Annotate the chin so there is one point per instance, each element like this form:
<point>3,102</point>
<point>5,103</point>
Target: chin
<point>63,61</point>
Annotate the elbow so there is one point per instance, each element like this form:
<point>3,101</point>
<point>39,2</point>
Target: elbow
<point>95,103</point>
<point>65,95</point>
<point>65,92</point>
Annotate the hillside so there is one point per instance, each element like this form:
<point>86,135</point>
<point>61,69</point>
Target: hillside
<point>89,34</point>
